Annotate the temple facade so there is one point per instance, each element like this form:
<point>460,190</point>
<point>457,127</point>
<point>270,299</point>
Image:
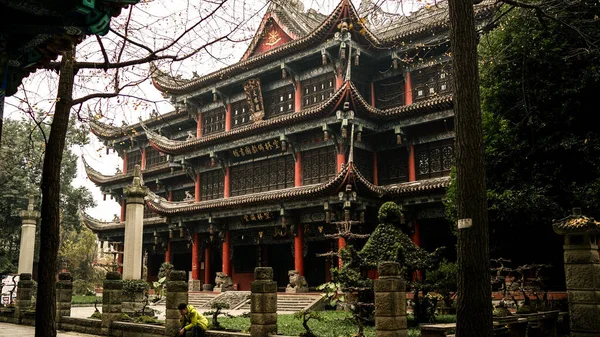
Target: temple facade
<point>263,162</point>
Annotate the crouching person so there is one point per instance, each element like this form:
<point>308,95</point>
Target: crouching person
<point>191,321</point>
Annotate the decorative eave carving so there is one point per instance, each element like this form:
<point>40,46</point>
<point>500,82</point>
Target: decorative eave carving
<point>576,223</point>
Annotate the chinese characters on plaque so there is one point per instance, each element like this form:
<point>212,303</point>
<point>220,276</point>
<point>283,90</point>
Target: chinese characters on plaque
<point>261,147</point>
<point>263,216</point>
<point>255,99</point>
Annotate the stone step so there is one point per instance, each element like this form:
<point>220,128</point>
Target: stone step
<point>199,299</point>
<point>293,303</point>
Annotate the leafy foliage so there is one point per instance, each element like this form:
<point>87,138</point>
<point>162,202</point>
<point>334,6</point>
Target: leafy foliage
<point>133,288</point>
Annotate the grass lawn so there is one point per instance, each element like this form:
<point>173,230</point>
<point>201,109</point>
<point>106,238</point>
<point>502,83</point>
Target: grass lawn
<point>334,324</point>
<point>81,299</point>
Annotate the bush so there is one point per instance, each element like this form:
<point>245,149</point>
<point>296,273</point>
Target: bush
<point>131,288</point>
<point>82,287</point>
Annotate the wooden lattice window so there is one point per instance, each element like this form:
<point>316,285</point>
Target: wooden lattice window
<point>392,166</point>
<point>390,92</point>
<point>318,165</point>
<point>154,157</point>
<point>213,121</point>
<point>279,101</point>
<point>264,175</point>
<point>212,184</point>
<point>240,114</point>
<point>317,89</point>
<point>434,159</point>
<point>364,163</point>
<point>133,158</point>
<point>431,81</point>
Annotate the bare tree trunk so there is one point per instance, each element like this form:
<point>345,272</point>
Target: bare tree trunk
<point>474,311</point>
<point>45,310</point>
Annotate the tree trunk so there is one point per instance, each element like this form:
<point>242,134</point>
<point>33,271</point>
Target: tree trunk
<point>474,307</point>
<point>45,310</point>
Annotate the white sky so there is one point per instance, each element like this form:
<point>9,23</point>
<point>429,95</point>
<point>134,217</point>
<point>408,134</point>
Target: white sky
<point>152,10</point>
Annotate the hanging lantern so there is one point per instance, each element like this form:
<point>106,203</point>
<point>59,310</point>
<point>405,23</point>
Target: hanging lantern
<point>156,240</point>
<point>283,146</point>
<point>325,135</point>
<point>170,233</point>
<point>399,139</point>
<point>283,73</point>
<point>357,58</point>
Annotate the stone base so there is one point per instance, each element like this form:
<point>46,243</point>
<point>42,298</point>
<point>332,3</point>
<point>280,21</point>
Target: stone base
<point>195,285</point>
<point>207,287</point>
<point>223,289</point>
<point>296,290</point>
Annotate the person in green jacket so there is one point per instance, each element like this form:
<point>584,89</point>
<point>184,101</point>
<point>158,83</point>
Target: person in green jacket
<point>191,320</point>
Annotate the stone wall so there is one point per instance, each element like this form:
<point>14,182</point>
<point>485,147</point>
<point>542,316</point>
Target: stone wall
<point>81,325</point>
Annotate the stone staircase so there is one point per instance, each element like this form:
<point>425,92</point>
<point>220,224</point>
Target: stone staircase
<point>200,299</point>
<point>290,302</point>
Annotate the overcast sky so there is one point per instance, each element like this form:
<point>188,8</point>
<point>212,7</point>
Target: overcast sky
<point>95,152</point>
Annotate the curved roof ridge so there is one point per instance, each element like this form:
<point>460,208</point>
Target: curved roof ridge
<point>439,100</point>
<point>98,178</point>
<point>161,206</point>
<point>166,145</point>
<point>270,55</point>
<point>97,225</point>
<point>104,130</point>
<point>418,185</point>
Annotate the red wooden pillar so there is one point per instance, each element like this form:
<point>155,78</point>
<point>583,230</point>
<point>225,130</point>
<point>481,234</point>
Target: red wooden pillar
<point>199,126</point>
<point>298,97</point>
<point>123,207</point>
<point>120,258</point>
<point>299,250</point>
<point>168,253</point>
<point>298,170</point>
<point>207,265</point>
<point>195,251</point>
<point>341,158</point>
<point>225,267</point>
<point>341,245</point>
<point>373,94</point>
<point>228,118</point>
<point>412,173</point>
<point>170,197</point>
<point>143,163</point>
<point>339,80</point>
<point>197,194</point>
<point>408,99</point>
<point>226,186</point>
<point>375,168</point>
<point>124,162</point>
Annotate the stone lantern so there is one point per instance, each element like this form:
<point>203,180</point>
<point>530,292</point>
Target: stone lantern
<point>582,271</point>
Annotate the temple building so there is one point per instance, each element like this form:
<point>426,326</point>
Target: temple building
<point>262,162</point>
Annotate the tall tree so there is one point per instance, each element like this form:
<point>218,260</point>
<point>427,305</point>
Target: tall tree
<point>539,76</point>
<point>474,310</point>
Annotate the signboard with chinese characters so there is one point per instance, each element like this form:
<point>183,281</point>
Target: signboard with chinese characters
<point>258,149</point>
<point>257,217</point>
<point>255,99</point>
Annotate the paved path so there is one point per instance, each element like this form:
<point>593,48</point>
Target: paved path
<point>16,330</point>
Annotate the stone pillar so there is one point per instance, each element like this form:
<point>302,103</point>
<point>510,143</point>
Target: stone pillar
<point>390,301</point>
<point>177,292</point>
<point>112,300</point>
<point>263,303</point>
<point>582,272</point>
<point>24,294</point>
<point>64,294</point>
<point>134,222</point>
<point>29,219</point>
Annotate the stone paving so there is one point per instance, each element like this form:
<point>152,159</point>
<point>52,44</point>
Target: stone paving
<point>16,330</point>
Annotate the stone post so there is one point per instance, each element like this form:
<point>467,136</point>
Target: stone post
<point>582,272</point>
<point>390,301</point>
<point>177,292</point>
<point>112,298</point>
<point>24,294</point>
<point>64,294</point>
<point>263,303</point>
<point>134,222</point>
<point>29,219</point>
